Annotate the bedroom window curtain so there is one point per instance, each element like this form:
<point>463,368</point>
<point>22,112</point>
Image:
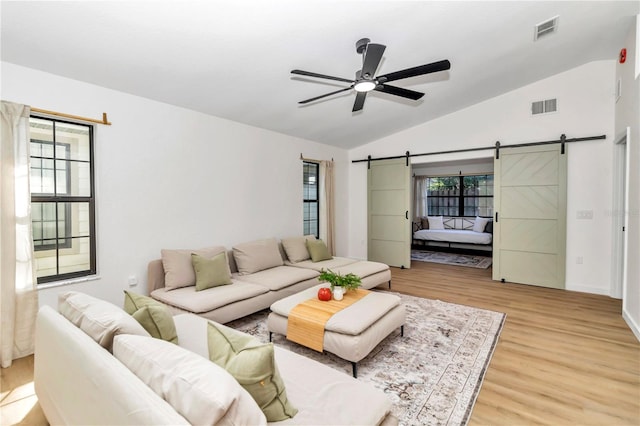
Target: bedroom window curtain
<point>420,190</point>
<point>18,282</point>
<point>327,210</point>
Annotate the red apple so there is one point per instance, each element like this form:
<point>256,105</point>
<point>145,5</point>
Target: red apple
<point>324,294</point>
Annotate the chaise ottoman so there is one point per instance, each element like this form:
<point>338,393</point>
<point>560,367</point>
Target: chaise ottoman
<point>353,332</point>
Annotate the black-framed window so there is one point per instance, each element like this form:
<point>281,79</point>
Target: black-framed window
<point>62,199</point>
<point>460,196</point>
<point>311,200</point>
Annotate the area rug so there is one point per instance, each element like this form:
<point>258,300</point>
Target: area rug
<point>433,374</point>
<point>471,261</point>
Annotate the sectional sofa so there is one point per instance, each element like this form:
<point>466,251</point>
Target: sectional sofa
<point>260,272</point>
<point>95,364</point>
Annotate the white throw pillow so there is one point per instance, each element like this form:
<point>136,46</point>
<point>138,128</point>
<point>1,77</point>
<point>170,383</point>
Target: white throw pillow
<point>99,319</point>
<point>435,222</point>
<point>199,390</point>
<point>480,223</point>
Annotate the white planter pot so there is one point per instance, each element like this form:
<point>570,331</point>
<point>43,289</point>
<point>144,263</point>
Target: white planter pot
<point>338,293</point>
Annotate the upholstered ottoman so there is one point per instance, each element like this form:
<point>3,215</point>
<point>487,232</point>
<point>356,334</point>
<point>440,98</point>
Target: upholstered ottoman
<point>353,332</point>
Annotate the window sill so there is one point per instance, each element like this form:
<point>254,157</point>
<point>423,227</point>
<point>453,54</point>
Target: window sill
<point>68,282</point>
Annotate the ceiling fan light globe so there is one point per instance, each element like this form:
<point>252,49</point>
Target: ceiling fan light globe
<point>364,86</point>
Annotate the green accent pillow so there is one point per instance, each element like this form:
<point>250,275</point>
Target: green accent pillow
<point>211,272</point>
<point>253,365</point>
<point>152,315</point>
<point>318,250</point>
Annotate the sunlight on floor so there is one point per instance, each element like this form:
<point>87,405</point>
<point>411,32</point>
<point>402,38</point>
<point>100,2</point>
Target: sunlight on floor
<point>17,404</point>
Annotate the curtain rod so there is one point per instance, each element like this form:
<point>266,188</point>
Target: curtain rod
<point>311,159</point>
<point>75,117</point>
<point>497,146</point>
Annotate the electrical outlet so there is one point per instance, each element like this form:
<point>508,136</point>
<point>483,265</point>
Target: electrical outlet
<point>584,214</point>
<point>579,260</point>
<point>133,281</point>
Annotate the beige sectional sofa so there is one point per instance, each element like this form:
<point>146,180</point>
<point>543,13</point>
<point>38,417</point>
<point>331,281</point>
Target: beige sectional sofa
<point>95,364</point>
<point>262,272</point>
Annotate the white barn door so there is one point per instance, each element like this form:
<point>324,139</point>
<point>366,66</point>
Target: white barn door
<point>389,204</point>
<point>530,222</point>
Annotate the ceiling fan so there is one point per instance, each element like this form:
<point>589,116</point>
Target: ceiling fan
<point>365,80</point>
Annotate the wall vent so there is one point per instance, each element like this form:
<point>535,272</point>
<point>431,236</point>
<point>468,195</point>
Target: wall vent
<point>544,107</point>
<point>546,28</point>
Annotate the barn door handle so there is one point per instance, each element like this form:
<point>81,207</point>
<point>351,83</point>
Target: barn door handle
<point>406,214</point>
<point>496,217</point>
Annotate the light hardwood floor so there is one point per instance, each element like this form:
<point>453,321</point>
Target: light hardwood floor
<point>563,358</point>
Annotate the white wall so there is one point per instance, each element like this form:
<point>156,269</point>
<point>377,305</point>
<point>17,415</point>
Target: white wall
<point>585,108</point>
<point>627,114</point>
<point>168,177</point>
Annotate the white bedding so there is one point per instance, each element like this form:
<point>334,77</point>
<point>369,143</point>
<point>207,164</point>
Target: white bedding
<point>453,236</point>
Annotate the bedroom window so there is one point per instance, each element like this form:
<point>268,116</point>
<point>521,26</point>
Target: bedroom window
<point>62,199</point>
<point>311,201</point>
<point>470,195</point>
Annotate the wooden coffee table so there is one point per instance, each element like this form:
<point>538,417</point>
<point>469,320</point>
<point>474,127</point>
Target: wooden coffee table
<point>353,332</point>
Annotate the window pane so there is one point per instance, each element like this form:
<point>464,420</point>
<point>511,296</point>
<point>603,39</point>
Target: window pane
<point>41,130</point>
<point>76,136</point>
<point>77,257</point>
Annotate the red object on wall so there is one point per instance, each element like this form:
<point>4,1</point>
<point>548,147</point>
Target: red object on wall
<point>623,55</point>
<point>324,294</point>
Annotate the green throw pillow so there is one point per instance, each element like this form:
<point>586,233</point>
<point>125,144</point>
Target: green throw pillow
<point>318,250</point>
<point>152,315</point>
<point>253,365</point>
<point>211,272</point>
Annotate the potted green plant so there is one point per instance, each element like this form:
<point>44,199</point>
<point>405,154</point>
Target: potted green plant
<point>339,283</point>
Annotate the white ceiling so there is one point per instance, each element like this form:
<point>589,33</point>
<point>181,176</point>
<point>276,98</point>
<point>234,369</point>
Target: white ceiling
<point>232,59</point>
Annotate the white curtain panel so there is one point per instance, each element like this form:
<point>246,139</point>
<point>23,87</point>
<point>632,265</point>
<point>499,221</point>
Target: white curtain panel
<point>327,210</point>
<point>420,188</point>
<point>19,303</point>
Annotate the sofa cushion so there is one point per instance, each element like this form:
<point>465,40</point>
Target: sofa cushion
<point>211,272</point>
<point>257,256</point>
<point>154,316</point>
<point>178,268</point>
<point>480,223</point>
<point>435,222</point>
<point>296,248</point>
<point>362,268</point>
<point>188,299</point>
<point>99,319</point>
<point>280,277</point>
<point>324,395</point>
<point>253,365</point>
<point>318,250</point>
<point>334,263</point>
<point>198,389</point>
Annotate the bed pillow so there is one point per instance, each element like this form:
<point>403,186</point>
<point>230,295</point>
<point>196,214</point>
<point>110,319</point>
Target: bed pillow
<point>253,365</point>
<point>480,223</point>
<point>256,256</point>
<point>435,222</point>
<point>100,320</point>
<point>318,250</point>
<point>178,269</point>
<point>212,272</point>
<point>296,248</point>
<point>425,223</point>
<point>199,390</point>
<point>152,315</point>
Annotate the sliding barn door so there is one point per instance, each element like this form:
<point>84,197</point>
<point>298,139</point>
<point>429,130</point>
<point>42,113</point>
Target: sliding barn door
<point>530,219</point>
<point>389,198</point>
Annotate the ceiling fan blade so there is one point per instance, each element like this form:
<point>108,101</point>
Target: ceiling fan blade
<point>372,58</point>
<point>313,74</point>
<point>359,103</point>
<point>415,71</point>
<point>399,91</point>
<point>324,96</point>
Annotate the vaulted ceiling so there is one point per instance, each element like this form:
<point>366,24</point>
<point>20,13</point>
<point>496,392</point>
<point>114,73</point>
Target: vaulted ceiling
<point>232,59</point>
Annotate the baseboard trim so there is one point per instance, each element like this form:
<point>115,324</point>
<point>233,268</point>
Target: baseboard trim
<point>631,323</point>
<point>588,289</point>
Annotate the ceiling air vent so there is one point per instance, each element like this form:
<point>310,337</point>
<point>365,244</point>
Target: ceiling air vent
<point>546,28</point>
<point>544,107</point>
